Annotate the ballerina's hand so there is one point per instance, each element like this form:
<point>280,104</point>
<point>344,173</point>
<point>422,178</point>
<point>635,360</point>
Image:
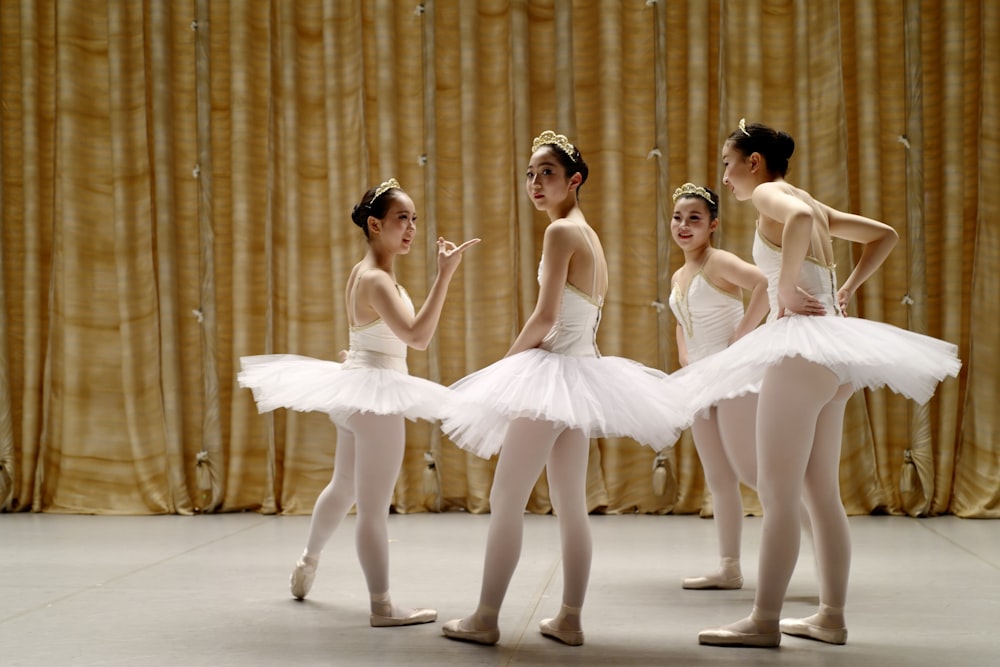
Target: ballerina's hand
<point>450,255</point>
<point>844,297</point>
<point>799,302</point>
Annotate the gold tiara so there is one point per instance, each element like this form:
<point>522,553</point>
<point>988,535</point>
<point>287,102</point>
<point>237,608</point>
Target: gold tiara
<point>550,138</point>
<point>743,126</point>
<point>386,185</point>
<point>696,190</point>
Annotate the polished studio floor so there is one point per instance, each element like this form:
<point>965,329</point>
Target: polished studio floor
<point>212,590</point>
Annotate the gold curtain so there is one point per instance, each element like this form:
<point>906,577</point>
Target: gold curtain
<point>177,177</point>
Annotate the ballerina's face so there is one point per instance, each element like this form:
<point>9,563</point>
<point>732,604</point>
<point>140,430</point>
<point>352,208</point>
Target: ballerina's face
<point>692,224</point>
<point>396,230</point>
<point>737,174</point>
<point>546,180</point>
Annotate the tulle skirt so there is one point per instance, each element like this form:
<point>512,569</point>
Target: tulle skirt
<point>862,353</point>
<point>366,382</point>
<point>602,396</point>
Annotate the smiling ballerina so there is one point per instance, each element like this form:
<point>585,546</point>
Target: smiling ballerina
<point>368,396</point>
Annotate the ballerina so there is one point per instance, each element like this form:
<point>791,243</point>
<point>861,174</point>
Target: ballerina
<point>805,364</point>
<point>541,404</point>
<point>368,396</point>
<point>707,302</point>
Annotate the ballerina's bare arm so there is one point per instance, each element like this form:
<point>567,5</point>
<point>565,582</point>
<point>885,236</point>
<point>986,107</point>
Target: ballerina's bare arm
<point>747,277</point>
<point>682,351</point>
<point>557,249</point>
<point>772,201</point>
<point>877,238</point>
<point>378,290</point>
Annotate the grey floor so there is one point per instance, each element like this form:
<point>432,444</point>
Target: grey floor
<point>212,590</point>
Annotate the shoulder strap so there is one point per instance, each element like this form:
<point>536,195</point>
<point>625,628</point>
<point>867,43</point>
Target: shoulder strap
<point>593,257</point>
<point>352,306</point>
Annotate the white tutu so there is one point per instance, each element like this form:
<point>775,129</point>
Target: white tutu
<point>603,396</point>
<point>340,390</point>
<point>863,353</point>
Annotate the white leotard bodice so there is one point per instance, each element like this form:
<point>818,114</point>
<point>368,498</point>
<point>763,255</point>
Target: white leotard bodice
<point>707,315</point>
<point>374,344</point>
<point>816,278</point>
<point>575,332</point>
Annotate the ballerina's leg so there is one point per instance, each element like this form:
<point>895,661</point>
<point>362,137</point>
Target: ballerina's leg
<point>727,503</point>
<point>737,419</point>
<point>831,532</point>
<point>381,441</point>
<point>335,501</point>
<point>329,511</point>
<point>792,395</point>
<point>567,476</point>
<point>522,458</point>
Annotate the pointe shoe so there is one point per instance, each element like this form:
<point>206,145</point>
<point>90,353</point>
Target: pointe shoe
<point>454,630</point>
<point>570,637</point>
<point>711,582</point>
<point>416,617</point>
<point>302,579</point>
<point>724,637</point>
<point>801,627</point>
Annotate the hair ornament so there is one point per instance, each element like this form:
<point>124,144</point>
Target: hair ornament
<point>550,138</point>
<point>696,190</point>
<point>743,126</point>
<point>383,187</point>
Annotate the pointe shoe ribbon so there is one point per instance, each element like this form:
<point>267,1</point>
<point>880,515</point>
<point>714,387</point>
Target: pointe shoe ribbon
<point>454,630</point>
<point>800,627</point>
<point>418,616</point>
<point>570,637</point>
<point>724,637</point>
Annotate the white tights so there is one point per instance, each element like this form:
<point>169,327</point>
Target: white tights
<point>800,416</point>
<point>369,455</point>
<point>530,447</point>
<point>725,443</point>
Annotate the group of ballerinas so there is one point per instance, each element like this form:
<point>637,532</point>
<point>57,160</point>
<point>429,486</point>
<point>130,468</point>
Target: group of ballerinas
<point>765,402</point>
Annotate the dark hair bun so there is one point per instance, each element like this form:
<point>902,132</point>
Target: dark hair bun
<point>360,216</point>
<point>785,144</point>
<point>776,146</point>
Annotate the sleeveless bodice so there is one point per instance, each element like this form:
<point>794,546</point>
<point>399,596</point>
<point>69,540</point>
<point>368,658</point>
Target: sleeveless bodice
<point>817,279</point>
<point>707,315</point>
<point>860,353</point>
<point>565,382</point>
<point>374,344</point>
<point>575,332</point>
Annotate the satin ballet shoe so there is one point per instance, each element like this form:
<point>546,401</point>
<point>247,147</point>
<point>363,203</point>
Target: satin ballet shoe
<point>454,630</point>
<point>712,582</point>
<point>730,637</point>
<point>801,627</point>
<point>302,579</point>
<point>416,617</point>
<point>570,637</point>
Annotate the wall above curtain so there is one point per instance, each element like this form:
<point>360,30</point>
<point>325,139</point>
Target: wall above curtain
<point>176,180</point>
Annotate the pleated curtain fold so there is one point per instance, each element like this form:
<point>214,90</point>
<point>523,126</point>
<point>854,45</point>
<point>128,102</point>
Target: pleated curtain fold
<point>177,181</point>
